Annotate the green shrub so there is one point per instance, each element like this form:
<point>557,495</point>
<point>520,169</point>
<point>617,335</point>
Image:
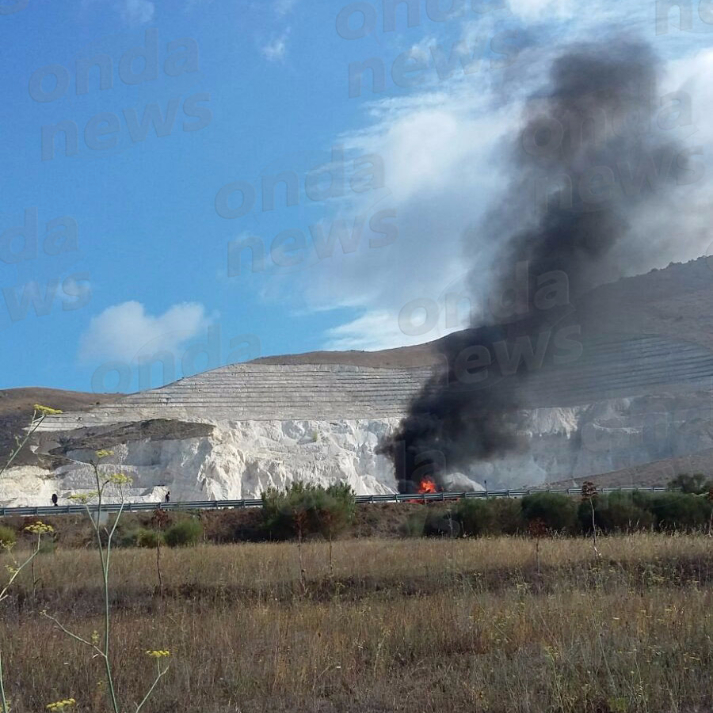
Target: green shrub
<point>414,525</point>
<point>625,515</point>
<point>126,538</point>
<point>639,510</point>
<point>642,499</point>
<point>555,511</point>
<point>302,510</point>
<point>476,517</point>
<point>507,516</point>
<point>441,524</point>
<point>133,535</point>
<point>693,484</point>
<point>341,511</point>
<point>616,512</point>
<point>151,538</point>
<point>8,536</point>
<point>680,511</point>
<point>430,521</point>
<point>184,532</point>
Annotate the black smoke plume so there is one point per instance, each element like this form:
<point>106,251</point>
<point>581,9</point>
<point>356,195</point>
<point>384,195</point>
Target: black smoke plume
<point>586,158</point>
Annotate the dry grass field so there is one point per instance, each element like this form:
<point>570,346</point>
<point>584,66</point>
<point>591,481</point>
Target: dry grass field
<point>411,625</point>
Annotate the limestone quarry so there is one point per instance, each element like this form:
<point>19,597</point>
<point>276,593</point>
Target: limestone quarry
<point>640,395</point>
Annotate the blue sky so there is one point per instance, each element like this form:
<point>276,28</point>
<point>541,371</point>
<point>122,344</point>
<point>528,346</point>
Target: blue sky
<point>189,149</point>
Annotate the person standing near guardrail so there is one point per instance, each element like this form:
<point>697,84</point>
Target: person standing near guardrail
<point>54,499</point>
<point>168,496</point>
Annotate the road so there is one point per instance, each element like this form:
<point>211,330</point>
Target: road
<point>238,504</point>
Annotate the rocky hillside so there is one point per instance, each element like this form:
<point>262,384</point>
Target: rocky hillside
<point>16,406</point>
<point>639,395</point>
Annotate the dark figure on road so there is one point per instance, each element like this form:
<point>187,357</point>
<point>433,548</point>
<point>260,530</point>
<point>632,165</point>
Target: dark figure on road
<point>54,499</point>
<point>168,496</point>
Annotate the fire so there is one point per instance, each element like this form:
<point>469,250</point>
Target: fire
<point>427,486</point>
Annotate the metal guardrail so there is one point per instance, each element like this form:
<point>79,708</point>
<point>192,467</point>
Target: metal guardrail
<point>239,504</point>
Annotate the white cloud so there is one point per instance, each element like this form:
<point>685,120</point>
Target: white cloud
<point>372,331</point>
<point>276,49</point>
<point>442,171</point>
<point>537,9</point>
<point>137,12</point>
<point>422,49</point>
<point>383,329</point>
<point>283,7</point>
<point>125,331</point>
<point>80,290</point>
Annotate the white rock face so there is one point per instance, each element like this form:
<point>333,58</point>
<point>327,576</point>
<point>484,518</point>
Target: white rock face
<point>240,459</point>
<point>317,436</point>
<point>27,485</point>
<point>605,436</point>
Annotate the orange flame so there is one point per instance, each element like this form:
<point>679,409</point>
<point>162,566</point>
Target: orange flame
<point>427,486</point>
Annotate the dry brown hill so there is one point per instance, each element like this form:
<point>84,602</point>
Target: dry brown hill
<point>658,472</point>
<point>16,406</point>
<point>400,357</point>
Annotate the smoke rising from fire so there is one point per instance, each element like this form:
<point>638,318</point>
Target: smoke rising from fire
<point>586,160</point>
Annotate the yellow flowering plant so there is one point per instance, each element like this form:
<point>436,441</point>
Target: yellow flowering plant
<point>39,528</point>
<point>119,479</point>
<point>158,654</point>
<point>84,498</point>
<point>46,410</point>
<point>14,569</point>
<point>39,414</point>
<point>100,642</point>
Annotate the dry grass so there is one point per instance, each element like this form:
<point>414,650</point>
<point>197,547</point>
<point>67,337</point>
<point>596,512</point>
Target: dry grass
<point>415,625</point>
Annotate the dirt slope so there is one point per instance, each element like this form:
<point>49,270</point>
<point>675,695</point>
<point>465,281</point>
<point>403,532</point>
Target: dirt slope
<point>16,406</point>
<point>655,473</point>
